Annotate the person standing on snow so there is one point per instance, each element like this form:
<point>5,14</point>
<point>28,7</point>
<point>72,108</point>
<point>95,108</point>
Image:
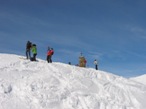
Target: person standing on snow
<point>96,64</point>
<point>34,51</point>
<point>28,48</point>
<point>49,55</point>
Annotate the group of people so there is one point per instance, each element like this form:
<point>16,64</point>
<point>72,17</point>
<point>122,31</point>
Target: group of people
<point>31,48</point>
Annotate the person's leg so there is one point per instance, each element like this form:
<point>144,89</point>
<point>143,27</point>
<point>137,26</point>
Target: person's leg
<point>29,53</point>
<point>26,54</point>
<point>34,57</point>
<point>96,67</point>
<point>50,59</point>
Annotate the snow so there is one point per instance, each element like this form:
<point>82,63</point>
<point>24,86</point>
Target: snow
<point>141,79</point>
<point>42,85</point>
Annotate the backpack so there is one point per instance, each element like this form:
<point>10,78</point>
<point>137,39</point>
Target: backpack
<point>52,52</point>
<point>28,45</point>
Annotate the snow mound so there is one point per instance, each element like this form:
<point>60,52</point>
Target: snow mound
<point>141,79</point>
<point>42,85</point>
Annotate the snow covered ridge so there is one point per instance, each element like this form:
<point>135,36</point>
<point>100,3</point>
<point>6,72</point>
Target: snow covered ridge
<point>39,85</point>
<point>141,79</point>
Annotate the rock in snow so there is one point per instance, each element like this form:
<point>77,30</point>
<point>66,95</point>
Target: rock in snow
<point>42,85</point>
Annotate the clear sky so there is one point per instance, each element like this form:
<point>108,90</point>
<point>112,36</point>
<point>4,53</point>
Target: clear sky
<point>111,31</point>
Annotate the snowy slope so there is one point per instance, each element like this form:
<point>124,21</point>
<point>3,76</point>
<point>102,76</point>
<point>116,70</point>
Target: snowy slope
<point>141,79</point>
<point>39,85</point>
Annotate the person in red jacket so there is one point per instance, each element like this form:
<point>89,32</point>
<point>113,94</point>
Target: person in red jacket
<point>49,55</point>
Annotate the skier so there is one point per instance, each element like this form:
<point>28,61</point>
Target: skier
<point>28,48</point>
<point>49,55</point>
<point>96,64</point>
<point>34,51</point>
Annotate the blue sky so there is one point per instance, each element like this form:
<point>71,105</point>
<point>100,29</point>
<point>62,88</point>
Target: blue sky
<point>111,31</point>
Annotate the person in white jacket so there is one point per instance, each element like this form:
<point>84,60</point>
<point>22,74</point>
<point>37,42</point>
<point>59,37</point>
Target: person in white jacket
<point>96,64</point>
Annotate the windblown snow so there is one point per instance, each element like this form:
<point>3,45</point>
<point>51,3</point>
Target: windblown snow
<point>42,85</point>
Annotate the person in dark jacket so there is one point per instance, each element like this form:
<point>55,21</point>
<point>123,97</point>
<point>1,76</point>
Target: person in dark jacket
<point>28,48</point>
<point>49,55</point>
